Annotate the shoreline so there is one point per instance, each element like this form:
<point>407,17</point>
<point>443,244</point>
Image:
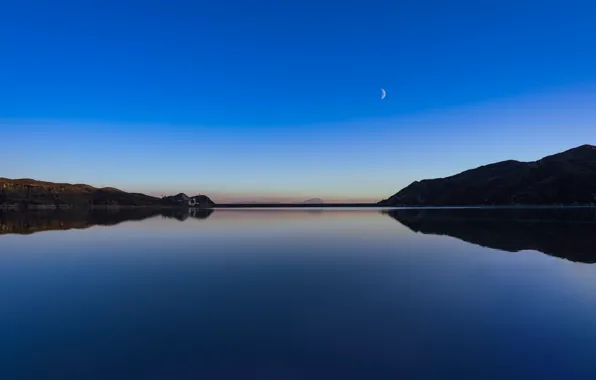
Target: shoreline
<point>14,207</point>
<point>375,205</point>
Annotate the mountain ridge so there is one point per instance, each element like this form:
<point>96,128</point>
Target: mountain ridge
<point>568,177</point>
<point>27,192</point>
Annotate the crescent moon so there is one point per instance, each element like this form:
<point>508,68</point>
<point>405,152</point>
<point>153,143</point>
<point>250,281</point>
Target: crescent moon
<point>383,94</point>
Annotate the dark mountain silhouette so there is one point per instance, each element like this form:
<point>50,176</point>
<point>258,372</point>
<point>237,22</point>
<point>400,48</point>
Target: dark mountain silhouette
<point>24,193</point>
<point>180,198</point>
<point>28,222</point>
<point>562,179</point>
<point>561,232</point>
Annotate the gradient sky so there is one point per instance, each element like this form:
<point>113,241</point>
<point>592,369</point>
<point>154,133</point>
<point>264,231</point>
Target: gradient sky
<point>263,100</point>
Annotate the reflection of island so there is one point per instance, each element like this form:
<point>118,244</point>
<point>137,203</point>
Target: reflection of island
<point>13,222</point>
<point>568,233</point>
<point>183,214</point>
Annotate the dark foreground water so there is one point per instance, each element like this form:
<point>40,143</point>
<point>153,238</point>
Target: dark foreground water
<point>293,294</point>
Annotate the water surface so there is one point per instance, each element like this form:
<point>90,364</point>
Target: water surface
<point>298,294</point>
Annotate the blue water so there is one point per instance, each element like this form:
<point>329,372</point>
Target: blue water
<point>291,294</point>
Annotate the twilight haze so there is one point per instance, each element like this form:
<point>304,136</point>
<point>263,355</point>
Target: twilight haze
<point>282,101</point>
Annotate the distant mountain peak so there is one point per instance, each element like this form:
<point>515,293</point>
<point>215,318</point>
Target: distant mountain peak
<point>314,201</point>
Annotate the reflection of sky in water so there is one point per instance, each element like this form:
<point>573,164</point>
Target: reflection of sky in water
<point>287,293</point>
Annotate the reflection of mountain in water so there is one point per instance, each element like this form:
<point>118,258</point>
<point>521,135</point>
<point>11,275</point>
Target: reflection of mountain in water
<point>568,233</point>
<point>183,214</point>
<point>13,222</point>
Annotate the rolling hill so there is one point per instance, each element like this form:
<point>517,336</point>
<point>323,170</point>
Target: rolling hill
<point>565,178</point>
<point>26,192</point>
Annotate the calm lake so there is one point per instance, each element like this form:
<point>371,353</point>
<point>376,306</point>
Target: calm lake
<point>298,294</point>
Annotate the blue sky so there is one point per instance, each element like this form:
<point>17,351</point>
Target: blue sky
<point>281,100</point>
